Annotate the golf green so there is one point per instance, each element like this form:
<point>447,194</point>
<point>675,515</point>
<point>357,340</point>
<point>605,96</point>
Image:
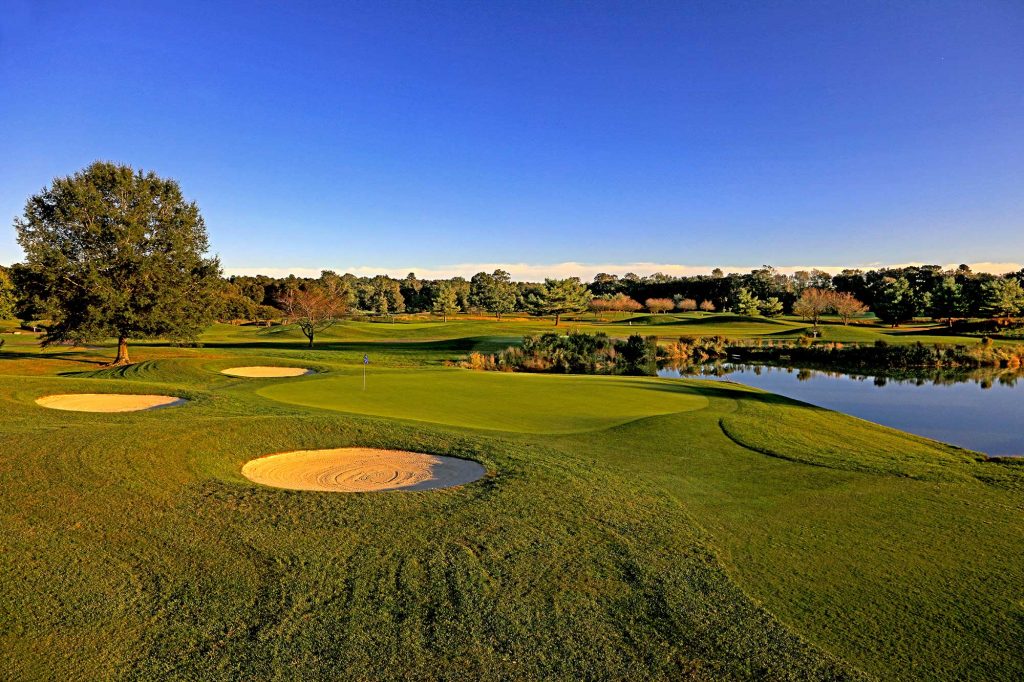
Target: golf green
<point>530,403</point>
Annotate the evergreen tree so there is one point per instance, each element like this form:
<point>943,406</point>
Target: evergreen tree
<point>772,307</point>
<point>747,303</point>
<point>895,302</point>
<point>559,297</point>
<point>8,299</point>
<point>1004,297</point>
<point>445,301</point>
<point>947,300</point>
<point>494,293</point>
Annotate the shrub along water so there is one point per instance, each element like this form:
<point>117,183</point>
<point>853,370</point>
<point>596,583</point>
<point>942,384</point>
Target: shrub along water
<point>584,353</point>
<point>572,353</point>
<point>882,356</point>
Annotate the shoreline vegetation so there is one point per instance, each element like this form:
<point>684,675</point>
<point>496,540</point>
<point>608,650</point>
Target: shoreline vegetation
<point>572,353</point>
<point>578,352</point>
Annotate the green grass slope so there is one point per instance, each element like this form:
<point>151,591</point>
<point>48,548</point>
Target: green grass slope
<point>628,528</point>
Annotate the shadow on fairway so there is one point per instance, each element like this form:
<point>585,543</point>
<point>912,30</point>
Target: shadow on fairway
<point>719,389</point>
<point>489,344</point>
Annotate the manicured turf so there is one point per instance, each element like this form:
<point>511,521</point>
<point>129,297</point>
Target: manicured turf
<point>525,403</point>
<point>629,528</point>
<point>463,330</point>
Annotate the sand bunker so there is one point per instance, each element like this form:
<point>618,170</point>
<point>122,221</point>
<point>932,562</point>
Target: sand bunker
<point>108,402</point>
<point>351,470</point>
<point>266,371</point>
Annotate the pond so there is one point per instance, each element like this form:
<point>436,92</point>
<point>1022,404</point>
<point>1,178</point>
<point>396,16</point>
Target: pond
<point>981,412</point>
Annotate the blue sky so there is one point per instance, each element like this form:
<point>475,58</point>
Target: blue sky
<point>426,135</point>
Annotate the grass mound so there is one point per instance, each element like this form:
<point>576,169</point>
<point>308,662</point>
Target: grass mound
<point>812,435</point>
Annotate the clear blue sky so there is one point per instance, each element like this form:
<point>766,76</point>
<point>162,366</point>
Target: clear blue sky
<point>431,133</point>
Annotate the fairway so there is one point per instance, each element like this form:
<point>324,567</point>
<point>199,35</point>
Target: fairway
<point>528,403</point>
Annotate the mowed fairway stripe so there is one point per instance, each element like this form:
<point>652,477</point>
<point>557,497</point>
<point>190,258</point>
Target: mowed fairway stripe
<point>499,401</point>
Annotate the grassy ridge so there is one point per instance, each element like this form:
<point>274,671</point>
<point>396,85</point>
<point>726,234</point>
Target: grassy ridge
<point>681,530</point>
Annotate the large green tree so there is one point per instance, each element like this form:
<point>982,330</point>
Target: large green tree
<point>8,299</point>
<point>947,300</point>
<point>118,253</point>
<point>445,301</point>
<point>384,296</point>
<point>559,297</point>
<point>747,303</point>
<point>1004,297</point>
<point>494,292</point>
<point>895,301</point>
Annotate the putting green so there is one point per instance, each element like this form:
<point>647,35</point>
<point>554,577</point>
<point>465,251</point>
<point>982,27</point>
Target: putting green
<point>499,401</point>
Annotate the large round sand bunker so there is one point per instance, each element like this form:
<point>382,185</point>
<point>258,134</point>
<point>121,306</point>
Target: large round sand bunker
<point>108,402</point>
<point>266,371</point>
<point>352,470</point>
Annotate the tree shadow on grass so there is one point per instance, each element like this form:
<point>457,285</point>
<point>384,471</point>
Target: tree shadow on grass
<point>65,356</point>
<point>472,343</point>
<point>720,389</point>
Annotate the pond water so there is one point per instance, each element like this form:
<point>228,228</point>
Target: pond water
<point>982,413</point>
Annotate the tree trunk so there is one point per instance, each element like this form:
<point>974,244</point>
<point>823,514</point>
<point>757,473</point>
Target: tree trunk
<point>557,315</point>
<point>310,340</point>
<point>122,352</point>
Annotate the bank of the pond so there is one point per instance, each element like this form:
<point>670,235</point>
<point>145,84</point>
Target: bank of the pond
<point>979,411</point>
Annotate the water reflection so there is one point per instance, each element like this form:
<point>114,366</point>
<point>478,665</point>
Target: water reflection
<point>980,410</point>
<point>985,378</point>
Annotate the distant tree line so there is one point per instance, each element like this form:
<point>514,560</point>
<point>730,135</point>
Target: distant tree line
<point>111,251</point>
<point>895,295</point>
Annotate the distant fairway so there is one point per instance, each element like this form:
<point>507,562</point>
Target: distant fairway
<point>526,403</point>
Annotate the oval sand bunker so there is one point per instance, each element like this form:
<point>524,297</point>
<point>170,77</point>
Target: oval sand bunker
<point>108,402</point>
<point>352,470</point>
<point>263,371</point>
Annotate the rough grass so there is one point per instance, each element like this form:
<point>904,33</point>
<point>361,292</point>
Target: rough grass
<point>647,544</point>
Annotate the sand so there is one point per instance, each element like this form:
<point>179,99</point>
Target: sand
<point>266,371</point>
<point>108,402</point>
<point>351,470</point>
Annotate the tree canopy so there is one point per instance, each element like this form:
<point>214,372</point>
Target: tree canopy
<point>446,301</point>
<point>117,253</point>
<point>7,298</point>
<point>1004,297</point>
<point>494,292</point>
<point>560,296</point>
<point>316,306</point>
